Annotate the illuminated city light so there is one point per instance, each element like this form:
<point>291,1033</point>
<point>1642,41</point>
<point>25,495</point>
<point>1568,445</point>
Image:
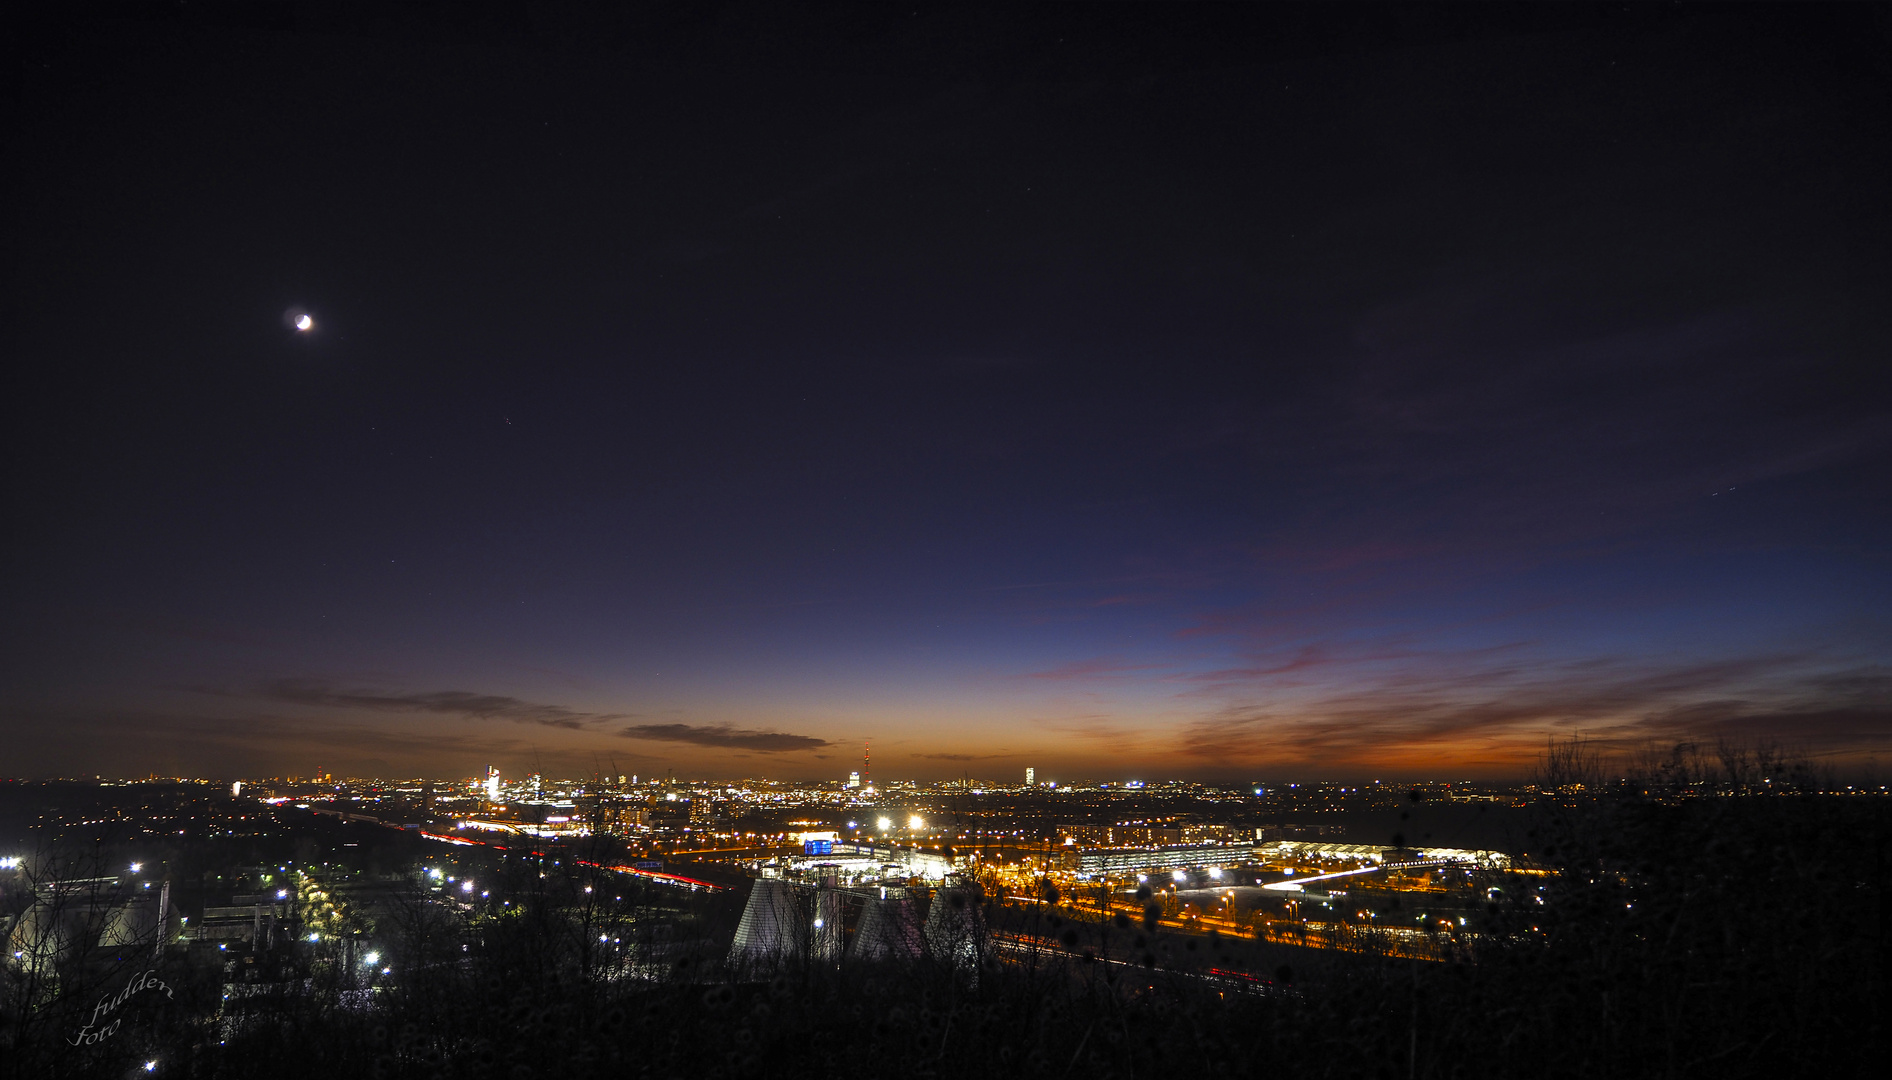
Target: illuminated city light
<point>137,866</point>
<point>371,959</point>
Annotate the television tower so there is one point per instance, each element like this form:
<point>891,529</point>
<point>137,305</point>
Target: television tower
<point>867,767</point>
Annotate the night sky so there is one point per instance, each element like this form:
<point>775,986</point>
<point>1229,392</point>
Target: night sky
<point>1239,393</point>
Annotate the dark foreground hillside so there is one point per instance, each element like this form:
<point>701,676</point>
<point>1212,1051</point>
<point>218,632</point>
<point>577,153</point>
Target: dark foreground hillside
<point>1721,937</point>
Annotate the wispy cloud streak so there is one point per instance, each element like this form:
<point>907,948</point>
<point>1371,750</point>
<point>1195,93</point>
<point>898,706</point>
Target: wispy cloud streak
<point>461,703</point>
<point>1507,709</point>
<point>724,736</point>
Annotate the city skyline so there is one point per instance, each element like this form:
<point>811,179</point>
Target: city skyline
<point>1211,397</point>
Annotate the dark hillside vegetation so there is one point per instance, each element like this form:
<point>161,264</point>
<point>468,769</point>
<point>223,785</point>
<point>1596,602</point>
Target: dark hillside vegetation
<point>1719,936</point>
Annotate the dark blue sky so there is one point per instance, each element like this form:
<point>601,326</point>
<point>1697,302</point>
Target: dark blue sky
<point>1246,392</point>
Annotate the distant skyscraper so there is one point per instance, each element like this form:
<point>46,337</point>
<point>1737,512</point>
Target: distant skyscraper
<point>1031,776</point>
<point>853,779</point>
<point>492,784</point>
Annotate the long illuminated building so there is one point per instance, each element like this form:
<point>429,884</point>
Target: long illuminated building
<point>1123,860</point>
